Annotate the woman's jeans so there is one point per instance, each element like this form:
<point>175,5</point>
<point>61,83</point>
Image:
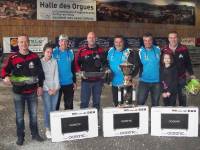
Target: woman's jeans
<point>50,102</point>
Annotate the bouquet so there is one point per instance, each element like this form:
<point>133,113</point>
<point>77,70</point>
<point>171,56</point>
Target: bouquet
<point>193,87</point>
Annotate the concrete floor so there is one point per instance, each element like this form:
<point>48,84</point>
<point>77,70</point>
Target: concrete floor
<point>137,142</point>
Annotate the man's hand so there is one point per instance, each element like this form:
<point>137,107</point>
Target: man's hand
<point>39,91</point>
<point>193,77</point>
<point>134,83</point>
<point>108,71</point>
<point>127,78</point>
<point>7,81</point>
<point>83,75</point>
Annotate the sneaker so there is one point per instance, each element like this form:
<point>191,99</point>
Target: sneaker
<point>48,134</point>
<point>37,138</point>
<point>20,141</point>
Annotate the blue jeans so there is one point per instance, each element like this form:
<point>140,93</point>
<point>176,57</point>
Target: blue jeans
<point>19,101</point>
<point>88,88</point>
<point>181,94</point>
<point>50,102</point>
<point>143,90</point>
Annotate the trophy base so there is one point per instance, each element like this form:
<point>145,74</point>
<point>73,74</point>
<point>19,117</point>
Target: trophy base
<point>127,85</point>
<point>126,105</point>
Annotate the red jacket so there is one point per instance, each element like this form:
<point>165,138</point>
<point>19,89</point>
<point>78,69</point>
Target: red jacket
<point>181,60</point>
<point>90,60</point>
<point>24,65</point>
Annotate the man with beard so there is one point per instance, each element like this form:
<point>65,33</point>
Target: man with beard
<point>117,55</point>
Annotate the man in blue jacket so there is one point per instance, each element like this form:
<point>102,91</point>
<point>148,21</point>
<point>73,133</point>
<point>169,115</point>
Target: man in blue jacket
<point>149,71</point>
<point>65,60</point>
<point>116,56</point>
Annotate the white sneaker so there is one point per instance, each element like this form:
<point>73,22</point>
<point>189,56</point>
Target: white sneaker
<point>48,134</point>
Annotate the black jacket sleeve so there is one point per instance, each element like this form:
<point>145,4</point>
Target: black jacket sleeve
<point>161,79</point>
<point>173,82</point>
<point>40,73</point>
<point>188,63</point>
<point>104,60</point>
<point>7,67</point>
<point>134,59</point>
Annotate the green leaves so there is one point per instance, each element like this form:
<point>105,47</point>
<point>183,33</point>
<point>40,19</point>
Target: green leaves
<point>193,87</point>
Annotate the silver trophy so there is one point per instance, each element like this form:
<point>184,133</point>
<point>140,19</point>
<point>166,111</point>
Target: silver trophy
<point>126,92</point>
<point>127,69</point>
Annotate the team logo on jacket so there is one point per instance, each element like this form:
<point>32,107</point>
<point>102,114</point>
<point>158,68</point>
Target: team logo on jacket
<point>31,65</point>
<point>97,56</point>
<point>180,56</point>
<point>18,66</point>
<point>86,57</point>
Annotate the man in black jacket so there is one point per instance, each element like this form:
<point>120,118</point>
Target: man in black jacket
<point>182,61</point>
<point>91,59</point>
<point>25,64</point>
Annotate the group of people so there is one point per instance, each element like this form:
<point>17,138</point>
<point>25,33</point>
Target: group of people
<point>164,72</point>
<point>161,72</point>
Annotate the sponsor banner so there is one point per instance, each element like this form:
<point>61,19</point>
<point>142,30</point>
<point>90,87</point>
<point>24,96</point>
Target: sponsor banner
<point>83,10</point>
<point>36,44</point>
<point>189,41</point>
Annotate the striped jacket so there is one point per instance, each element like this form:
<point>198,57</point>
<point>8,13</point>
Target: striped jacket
<point>24,65</point>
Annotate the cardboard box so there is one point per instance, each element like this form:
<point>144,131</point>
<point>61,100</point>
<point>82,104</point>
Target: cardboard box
<point>174,121</point>
<point>125,121</point>
<point>73,124</point>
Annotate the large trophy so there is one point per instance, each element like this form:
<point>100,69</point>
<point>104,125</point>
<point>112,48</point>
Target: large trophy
<point>127,92</point>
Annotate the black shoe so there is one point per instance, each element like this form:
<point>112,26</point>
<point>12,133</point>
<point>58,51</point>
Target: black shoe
<point>20,141</point>
<point>37,138</point>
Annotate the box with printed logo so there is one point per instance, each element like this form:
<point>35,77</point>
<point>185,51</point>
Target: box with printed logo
<point>125,121</point>
<point>73,124</point>
<point>174,121</point>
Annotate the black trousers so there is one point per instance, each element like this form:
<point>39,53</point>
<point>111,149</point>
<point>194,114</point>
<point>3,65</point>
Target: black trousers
<point>68,92</point>
<point>115,95</point>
